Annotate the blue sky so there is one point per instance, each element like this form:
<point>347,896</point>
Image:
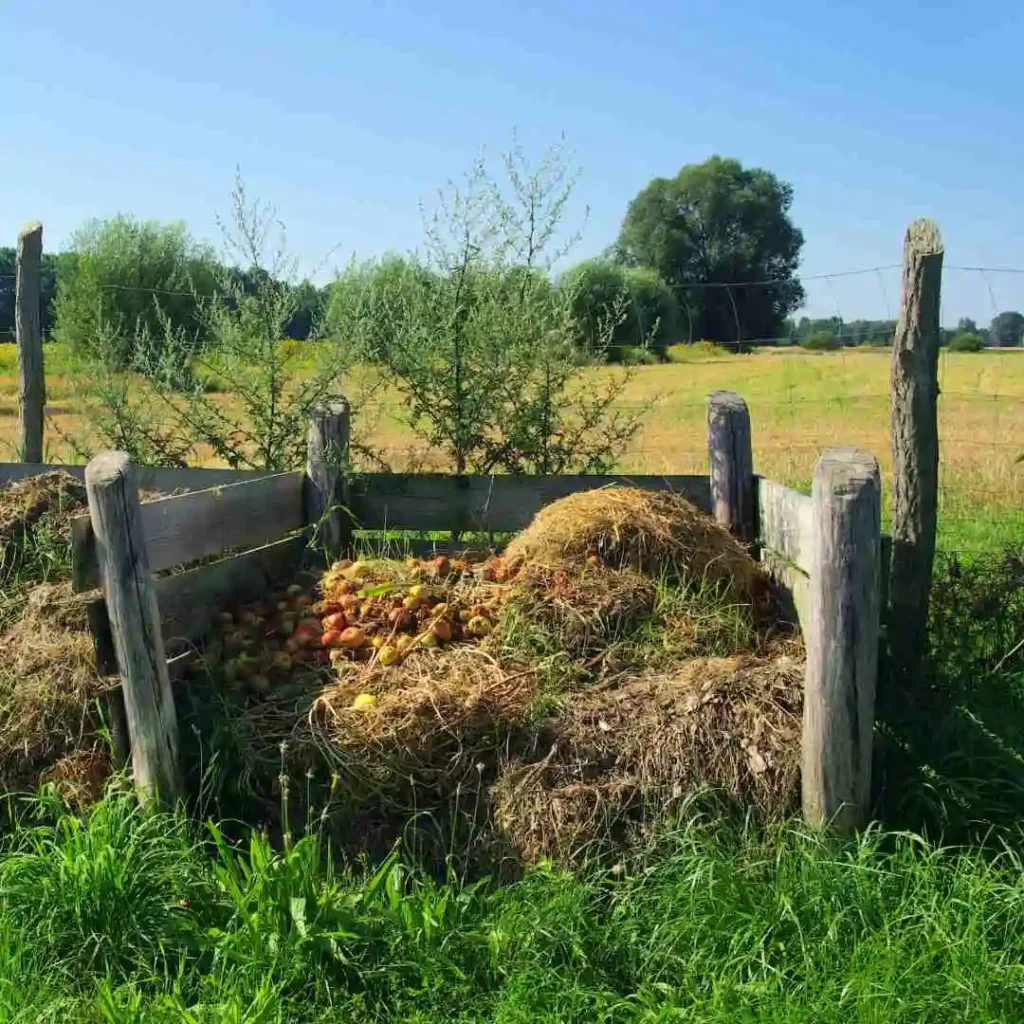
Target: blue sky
<point>347,115</point>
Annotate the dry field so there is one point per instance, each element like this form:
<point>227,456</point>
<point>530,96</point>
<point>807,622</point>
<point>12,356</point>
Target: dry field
<point>800,402</point>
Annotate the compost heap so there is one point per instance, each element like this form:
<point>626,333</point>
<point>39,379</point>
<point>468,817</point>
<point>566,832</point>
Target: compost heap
<point>617,657</point>
<point>48,680</point>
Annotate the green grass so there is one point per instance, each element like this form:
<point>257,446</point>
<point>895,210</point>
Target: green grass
<point>135,916</point>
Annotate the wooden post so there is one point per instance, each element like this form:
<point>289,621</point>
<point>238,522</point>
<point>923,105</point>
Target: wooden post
<point>732,463</point>
<point>842,639</point>
<point>29,334</point>
<point>915,446</point>
<point>326,466</point>
<point>135,625</point>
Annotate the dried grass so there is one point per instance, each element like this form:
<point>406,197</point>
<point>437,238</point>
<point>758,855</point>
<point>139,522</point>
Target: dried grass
<point>731,724</point>
<point>649,531</point>
<point>48,683</point>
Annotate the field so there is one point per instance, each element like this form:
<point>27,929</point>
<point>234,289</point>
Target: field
<point>111,913</point>
<point>800,402</point>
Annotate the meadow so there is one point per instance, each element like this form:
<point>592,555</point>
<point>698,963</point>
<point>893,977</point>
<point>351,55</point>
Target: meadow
<point>800,402</point>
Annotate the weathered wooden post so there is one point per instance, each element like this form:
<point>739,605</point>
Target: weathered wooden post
<point>135,625</point>
<point>326,467</point>
<point>29,333</point>
<point>915,446</point>
<point>842,639</point>
<point>730,452</point>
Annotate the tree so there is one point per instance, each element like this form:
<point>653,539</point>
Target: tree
<point>965,341</point>
<point>480,346</point>
<point>634,302</point>
<point>1007,330</point>
<point>127,279</point>
<point>716,224</point>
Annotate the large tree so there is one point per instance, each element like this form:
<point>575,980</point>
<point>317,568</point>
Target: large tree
<point>716,224</point>
<point>1007,329</point>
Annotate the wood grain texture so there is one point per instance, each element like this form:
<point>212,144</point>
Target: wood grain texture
<point>135,625</point>
<point>327,456</point>
<point>731,457</point>
<point>500,504</point>
<point>915,445</point>
<point>786,522</point>
<point>189,601</point>
<point>842,639</point>
<point>187,527</point>
<point>29,334</point>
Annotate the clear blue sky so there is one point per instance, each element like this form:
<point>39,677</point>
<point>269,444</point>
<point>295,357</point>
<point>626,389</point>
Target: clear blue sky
<point>345,115</point>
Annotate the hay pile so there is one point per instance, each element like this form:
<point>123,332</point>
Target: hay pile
<point>48,685</point>
<point>652,532</point>
<point>638,745</point>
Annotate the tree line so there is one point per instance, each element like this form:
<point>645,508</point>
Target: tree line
<point>709,254</point>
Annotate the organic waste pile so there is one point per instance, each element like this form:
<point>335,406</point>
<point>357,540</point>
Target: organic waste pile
<point>48,679</point>
<point>618,656</point>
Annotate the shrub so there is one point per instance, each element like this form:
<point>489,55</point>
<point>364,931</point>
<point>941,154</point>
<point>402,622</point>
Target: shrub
<point>820,341</point>
<point>965,341</point>
<point>128,279</point>
<point>633,302</point>
<point>695,352</point>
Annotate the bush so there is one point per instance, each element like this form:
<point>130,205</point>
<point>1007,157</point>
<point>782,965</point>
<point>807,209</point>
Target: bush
<point>695,352</point>
<point>820,341</point>
<point>128,279</point>
<point>965,341</point>
<point>633,302</point>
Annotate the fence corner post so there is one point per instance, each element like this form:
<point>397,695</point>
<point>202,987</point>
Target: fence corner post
<point>915,446</point>
<point>730,452</point>
<point>135,625</point>
<point>842,639</point>
<point>327,444</point>
<point>29,334</point>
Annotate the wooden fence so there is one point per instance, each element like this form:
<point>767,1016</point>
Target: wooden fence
<point>156,603</point>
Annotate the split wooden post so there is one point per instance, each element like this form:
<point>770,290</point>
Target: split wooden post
<point>730,452</point>
<point>29,333</point>
<point>842,639</point>
<point>915,446</point>
<point>135,625</point>
<point>326,467</point>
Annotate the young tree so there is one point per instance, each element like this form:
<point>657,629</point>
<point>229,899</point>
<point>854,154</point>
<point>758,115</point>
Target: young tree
<point>716,224</point>
<point>481,346</point>
<point>1007,330</point>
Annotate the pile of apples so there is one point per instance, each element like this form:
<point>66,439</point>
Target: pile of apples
<point>358,617</point>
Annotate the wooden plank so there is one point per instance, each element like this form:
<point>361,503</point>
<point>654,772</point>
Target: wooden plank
<point>731,456</point>
<point>792,588</point>
<point>160,479</point>
<point>187,527</point>
<point>134,624</point>
<point>915,447</point>
<point>842,640</point>
<point>500,504</point>
<point>188,601</point>
<point>29,334</point>
<point>786,522</point>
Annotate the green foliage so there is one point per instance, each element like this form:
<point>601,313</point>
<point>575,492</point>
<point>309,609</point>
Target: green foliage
<point>481,347</point>
<point>718,223</point>
<point>820,341</point>
<point>1007,330</point>
<point>699,351</point>
<point>174,410</point>
<point>130,278</point>
<point>54,266</point>
<point>633,302</point>
<point>121,916</point>
<point>965,342</point>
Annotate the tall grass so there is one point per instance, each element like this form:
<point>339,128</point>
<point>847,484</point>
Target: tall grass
<point>133,916</point>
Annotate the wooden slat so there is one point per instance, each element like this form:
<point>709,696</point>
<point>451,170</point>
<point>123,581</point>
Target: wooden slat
<point>150,478</point>
<point>189,600</point>
<point>786,523</point>
<point>792,588</point>
<point>187,527</point>
<point>501,504</point>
